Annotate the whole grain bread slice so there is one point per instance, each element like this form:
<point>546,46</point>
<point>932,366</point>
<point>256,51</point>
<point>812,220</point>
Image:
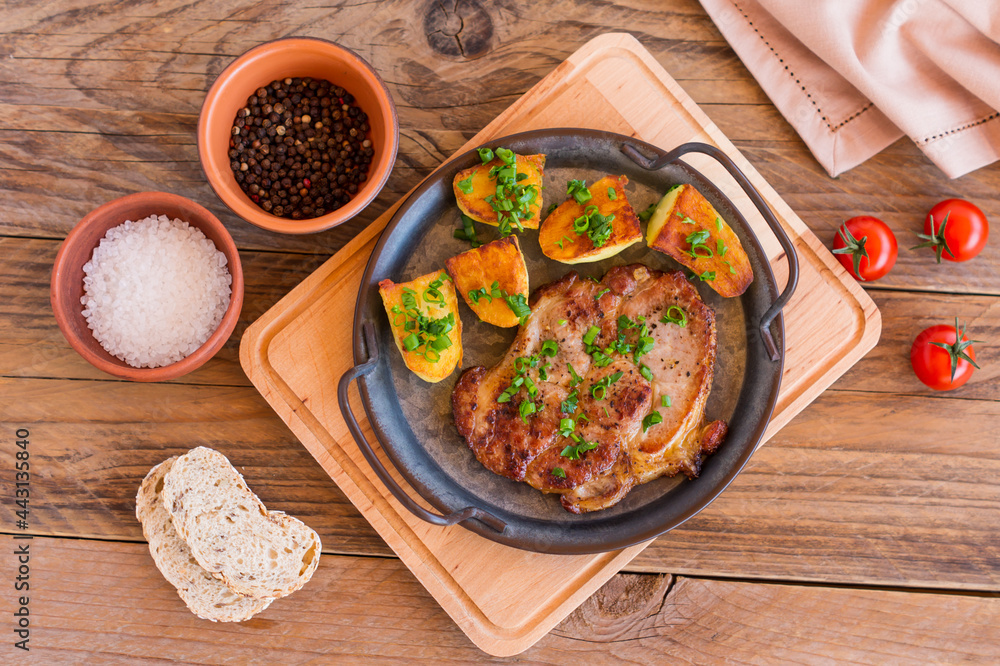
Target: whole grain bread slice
<point>206,596</point>
<point>231,533</point>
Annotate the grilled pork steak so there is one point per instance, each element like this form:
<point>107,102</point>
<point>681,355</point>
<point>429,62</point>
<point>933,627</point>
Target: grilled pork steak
<point>564,409</point>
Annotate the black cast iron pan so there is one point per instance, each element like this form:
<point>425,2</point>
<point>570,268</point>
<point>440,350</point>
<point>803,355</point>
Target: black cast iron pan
<point>412,419</point>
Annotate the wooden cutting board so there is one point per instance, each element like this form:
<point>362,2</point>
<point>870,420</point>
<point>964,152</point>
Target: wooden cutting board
<point>506,599</point>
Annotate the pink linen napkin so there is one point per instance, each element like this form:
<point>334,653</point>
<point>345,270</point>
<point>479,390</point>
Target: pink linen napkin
<point>852,76</point>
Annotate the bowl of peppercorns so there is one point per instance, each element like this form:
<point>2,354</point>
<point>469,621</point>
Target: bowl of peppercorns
<point>298,135</point>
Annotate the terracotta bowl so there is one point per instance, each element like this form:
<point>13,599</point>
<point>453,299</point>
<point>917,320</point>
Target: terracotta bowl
<point>78,248</point>
<point>295,57</point>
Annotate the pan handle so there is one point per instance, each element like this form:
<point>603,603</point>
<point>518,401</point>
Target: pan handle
<point>674,155</point>
<point>367,368</point>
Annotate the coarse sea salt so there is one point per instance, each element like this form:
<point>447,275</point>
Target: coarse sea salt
<point>154,291</point>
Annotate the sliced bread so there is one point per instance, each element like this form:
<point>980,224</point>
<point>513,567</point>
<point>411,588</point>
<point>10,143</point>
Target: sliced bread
<point>231,533</point>
<point>206,596</point>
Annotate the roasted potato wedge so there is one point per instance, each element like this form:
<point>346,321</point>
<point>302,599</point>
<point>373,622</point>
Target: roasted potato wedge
<point>499,262</point>
<point>560,241</point>
<point>681,220</point>
<point>474,203</point>
<point>420,326</point>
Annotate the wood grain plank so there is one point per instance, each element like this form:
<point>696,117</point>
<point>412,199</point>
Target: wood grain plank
<point>825,500</point>
<point>860,488</point>
<point>887,369</point>
<point>106,601</point>
<point>31,344</point>
<point>92,443</point>
<point>104,101</point>
<point>124,83</point>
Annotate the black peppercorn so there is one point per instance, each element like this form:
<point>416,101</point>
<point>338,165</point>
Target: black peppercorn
<point>299,148</point>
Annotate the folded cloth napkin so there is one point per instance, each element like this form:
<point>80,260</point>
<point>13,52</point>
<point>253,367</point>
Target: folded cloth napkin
<point>852,76</point>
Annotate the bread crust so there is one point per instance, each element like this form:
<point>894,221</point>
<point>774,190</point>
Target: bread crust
<point>206,596</point>
<point>230,532</point>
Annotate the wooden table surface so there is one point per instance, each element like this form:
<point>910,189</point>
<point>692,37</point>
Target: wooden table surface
<point>866,530</point>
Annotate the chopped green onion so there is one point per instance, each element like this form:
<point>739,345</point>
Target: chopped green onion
<point>698,237</point>
<point>718,223</point>
<point>411,342</point>
<point>518,304</point>
<point>706,252</point>
<point>573,451</point>
<point>562,322</point>
<point>409,298</point>
<point>467,232</point>
<point>550,348</point>
<point>601,359</point>
<point>648,213</point>
<point>566,427</point>
<point>665,400</point>
<point>441,343</point>
<point>568,406</point>
<point>526,409</point>
<point>643,347</point>
<point>603,385</point>
<point>433,296</point>
<point>721,248</point>
<point>670,318</point>
<point>576,379</point>
<point>590,335</point>
<point>559,472</point>
<point>686,220</point>
<point>612,194</point>
<point>578,190</point>
<point>466,185</point>
<point>597,227</point>
<point>485,154</point>
<point>512,201</point>
<point>494,291</point>
<point>697,240</point>
<point>707,275</point>
<point>651,420</point>
<point>619,345</point>
<point>646,372</point>
<point>601,293</point>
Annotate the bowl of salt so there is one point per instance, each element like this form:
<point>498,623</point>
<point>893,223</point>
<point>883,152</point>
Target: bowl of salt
<point>147,287</point>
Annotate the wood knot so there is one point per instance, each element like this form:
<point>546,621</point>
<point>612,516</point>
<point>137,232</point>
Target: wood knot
<point>625,608</point>
<point>458,28</point>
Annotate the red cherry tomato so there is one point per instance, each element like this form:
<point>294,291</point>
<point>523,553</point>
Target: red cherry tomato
<point>956,229</point>
<point>866,247</point>
<point>941,362</point>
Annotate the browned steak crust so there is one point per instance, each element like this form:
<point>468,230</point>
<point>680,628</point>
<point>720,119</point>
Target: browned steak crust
<point>618,454</point>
